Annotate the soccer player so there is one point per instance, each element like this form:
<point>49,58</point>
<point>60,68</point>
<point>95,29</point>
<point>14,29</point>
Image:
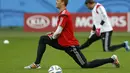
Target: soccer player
<point>102,28</point>
<point>63,39</point>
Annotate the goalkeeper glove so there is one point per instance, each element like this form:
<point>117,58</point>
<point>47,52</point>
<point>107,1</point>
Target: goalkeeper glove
<point>98,32</point>
<point>50,34</point>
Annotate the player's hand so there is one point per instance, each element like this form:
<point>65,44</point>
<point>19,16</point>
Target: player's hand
<point>98,32</point>
<point>49,33</point>
<point>50,36</point>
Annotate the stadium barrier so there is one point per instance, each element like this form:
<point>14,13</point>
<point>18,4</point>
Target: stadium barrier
<point>128,22</point>
<point>82,22</point>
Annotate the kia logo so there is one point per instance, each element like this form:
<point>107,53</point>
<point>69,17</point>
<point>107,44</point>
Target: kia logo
<point>38,21</point>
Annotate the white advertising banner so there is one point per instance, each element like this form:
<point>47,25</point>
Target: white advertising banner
<point>129,22</point>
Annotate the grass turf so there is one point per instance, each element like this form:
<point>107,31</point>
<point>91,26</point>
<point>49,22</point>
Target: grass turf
<point>22,51</point>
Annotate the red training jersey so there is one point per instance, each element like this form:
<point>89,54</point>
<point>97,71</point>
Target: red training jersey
<point>66,37</point>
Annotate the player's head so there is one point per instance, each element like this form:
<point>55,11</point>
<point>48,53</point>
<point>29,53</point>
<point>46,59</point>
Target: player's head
<point>90,4</point>
<point>61,3</point>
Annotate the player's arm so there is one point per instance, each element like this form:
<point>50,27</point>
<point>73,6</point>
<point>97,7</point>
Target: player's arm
<point>96,28</point>
<point>60,27</point>
<point>57,32</point>
<point>103,14</point>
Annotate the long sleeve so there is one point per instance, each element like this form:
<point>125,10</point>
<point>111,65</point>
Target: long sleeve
<point>102,12</point>
<point>60,27</point>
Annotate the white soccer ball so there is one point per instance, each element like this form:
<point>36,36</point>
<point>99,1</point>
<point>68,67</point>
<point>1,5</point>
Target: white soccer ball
<point>55,69</point>
<point>6,41</point>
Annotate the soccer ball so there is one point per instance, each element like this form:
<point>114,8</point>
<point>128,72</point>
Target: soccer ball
<point>6,41</point>
<point>55,69</point>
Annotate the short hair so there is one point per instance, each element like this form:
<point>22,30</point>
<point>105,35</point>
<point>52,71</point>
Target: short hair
<point>66,2</point>
<point>89,1</point>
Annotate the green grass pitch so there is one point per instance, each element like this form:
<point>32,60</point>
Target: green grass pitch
<point>22,51</point>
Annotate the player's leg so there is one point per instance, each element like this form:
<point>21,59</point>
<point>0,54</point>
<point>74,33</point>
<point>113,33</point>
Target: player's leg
<point>41,49</point>
<point>99,62</point>
<point>92,38</point>
<point>80,59</point>
<point>106,40</point>
<point>75,53</point>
